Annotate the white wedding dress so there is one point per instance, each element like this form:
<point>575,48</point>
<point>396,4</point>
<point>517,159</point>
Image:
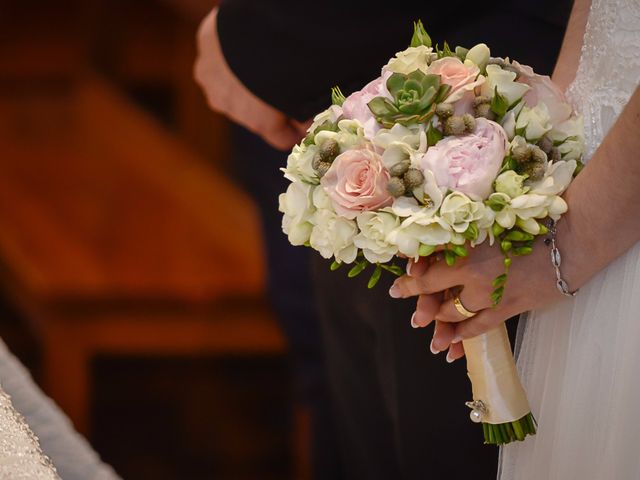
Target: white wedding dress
<point>580,359</point>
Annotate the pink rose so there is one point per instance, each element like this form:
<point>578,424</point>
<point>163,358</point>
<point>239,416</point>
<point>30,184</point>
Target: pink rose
<point>356,107</point>
<point>357,182</point>
<point>543,90</point>
<point>470,163</point>
<point>461,77</point>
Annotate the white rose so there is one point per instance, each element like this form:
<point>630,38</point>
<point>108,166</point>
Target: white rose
<point>571,133</point>
<point>299,164</point>
<point>410,60</point>
<point>479,55</point>
<point>372,239</point>
<point>459,211</point>
<point>510,183</point>
<point>505,82</point>
<point>534,122</point>
<point>298,210</point>
<point>332,236</point>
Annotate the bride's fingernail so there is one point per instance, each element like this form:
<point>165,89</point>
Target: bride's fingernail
<point>413,320</point>
<point>394,291</point>
<point>433,349</point>
<point>456,339</point>
<point>450,359</point>
<point>409,265</point>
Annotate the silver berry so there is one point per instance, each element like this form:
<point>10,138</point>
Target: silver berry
<point>396,187</point>
<point>413,178</point>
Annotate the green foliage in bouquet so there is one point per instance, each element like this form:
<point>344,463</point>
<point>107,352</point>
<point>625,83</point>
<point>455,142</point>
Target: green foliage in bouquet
<point>414,99</point>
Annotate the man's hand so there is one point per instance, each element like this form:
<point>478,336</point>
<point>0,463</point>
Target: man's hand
<point>227,95</point>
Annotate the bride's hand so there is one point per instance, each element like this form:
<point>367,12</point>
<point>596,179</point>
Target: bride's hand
<point>530,285</point>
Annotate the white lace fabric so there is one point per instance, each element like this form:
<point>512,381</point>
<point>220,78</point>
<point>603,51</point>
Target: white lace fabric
<point>579,359</point>
<point>20,453</point>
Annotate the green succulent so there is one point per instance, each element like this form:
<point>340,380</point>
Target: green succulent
<point>414,99</point>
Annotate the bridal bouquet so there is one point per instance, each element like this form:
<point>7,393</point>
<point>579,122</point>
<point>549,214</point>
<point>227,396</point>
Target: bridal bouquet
<point>445,150</point>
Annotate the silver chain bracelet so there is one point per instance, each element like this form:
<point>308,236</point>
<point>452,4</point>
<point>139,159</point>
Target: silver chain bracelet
<point>556,259</point>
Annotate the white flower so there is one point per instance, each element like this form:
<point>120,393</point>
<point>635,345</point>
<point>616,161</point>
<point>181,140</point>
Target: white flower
<point>511,183</point>
<point>530,205</point>
<point>484,225</point>
<point>299,164</point>
<point>372,239</point>
<point>509,124</point>
<point>350,135</point>
<point>504,81</point>
<point>417,230</point>
<point>400,143</point>
<point>534,122</point>
<point>459,211</point>
<point>410,60</point>
<point>429,193</point>
<point>556,178</point>
<point>297,208</point>
<point>529,225</point>
<point>479,55</point>
<point>331,114</point>
<point>571,133</point>
<point>321,200</point>
<point>557,206</point>
<point>332,236</point>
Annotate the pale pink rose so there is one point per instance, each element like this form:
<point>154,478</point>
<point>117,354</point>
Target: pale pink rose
<point>357,182</point>
<point>356,107</point>
<point>543,90</point>
<point>461,77</point>
<point>470,163</point>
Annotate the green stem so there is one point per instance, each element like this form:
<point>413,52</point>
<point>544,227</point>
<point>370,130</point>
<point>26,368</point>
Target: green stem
<point>503,433</point>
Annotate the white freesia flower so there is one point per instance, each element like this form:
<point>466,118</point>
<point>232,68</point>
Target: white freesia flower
<point>529,225</point>
<point>350,135</point>
<point>534,122</point>
<point>479,55</point>
<point>530,205</point>
<point>298,210</point>
<point>504,81</point>
<point>484,225</point>
<point>510,183</point>
<point>571,133</point>
<point>332,236</point>
<point>417,230</point>
<point>299,164</point>
<point>459,211</point>
<point>400,143</point>
<point>331,114</point>
<point>557,206</point>
<point>372,239</point>
<point>556,178</point>
<point>321,200</point>
<point>410,60</point>
<point>506,217</point>
<point>509,124</point>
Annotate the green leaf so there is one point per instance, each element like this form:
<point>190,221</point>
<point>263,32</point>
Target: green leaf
<point>443,91</point>
<point>357,269</point>
<point>499,103</point>
<point>337,97</point>
<point>395,83</point>
<point>420,36</point>
<point>426,250</point>
<point>335,265</point>
<point>461,52</point>
<point>433,135</point>
<point>380,106</point>
<point>375,277</point>
<point>449,257</point>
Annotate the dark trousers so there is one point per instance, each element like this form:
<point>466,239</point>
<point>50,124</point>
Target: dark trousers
<point>400,409</point>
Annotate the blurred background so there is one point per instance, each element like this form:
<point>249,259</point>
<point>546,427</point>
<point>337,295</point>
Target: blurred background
<point>132,272</point>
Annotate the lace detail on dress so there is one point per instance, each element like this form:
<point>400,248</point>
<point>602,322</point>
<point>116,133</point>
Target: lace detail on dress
<point>20,453</point>
<point>609,70</point>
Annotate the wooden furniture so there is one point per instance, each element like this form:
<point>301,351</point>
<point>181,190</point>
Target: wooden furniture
<point>116,239</point>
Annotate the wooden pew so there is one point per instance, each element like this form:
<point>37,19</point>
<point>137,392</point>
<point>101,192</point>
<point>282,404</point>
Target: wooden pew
<point>117,239</point>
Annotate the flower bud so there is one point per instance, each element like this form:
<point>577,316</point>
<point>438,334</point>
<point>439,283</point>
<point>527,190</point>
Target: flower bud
<point>537,155</point>
<point>555,154</point>
<point>546,144</point>
<point>469,122</point>
<point>484,110</point>
<point>316,161</point>
<point>413,178</point>
<point>400,168</point>
<point>480,100</point>
<point>521,154</point>
<point>329,150</point>
<point>396,187</point>
<point>454,125</point>
<point>444,110</point>
<point>323,168</point>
